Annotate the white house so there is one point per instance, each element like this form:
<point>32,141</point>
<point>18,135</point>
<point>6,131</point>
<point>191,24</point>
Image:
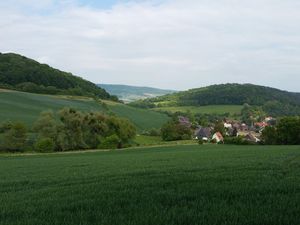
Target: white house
<point>218,137</point>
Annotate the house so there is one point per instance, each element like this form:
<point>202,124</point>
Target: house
<point>232,132</point>
<point>218,137</point>
<point>260,126</point>
<point>240,126</point>
<point>184,121</point>
<point>269,118</point>
<point>252,138</point>
<point>244,127</point>
<point>227,125</point>
<point>270,121</point>
<point>203,133</point>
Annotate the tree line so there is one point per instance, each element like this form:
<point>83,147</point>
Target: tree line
<point>66,130</point>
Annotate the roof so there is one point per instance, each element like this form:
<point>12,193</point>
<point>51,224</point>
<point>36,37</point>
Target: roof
<point>251,137</point>
<point>184,121</point>
<point>261,124</point>
<point>219,135</point>
<point>203,132</point>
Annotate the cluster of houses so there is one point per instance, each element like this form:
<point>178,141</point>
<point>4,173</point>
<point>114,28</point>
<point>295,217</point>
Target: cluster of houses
<point>233,128</point>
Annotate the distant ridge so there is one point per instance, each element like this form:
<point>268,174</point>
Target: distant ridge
<point>20,73</point>
<point>270,99</point>
<point>129,93</point>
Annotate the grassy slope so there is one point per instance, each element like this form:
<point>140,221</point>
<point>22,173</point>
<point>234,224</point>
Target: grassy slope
<point>26,107</point>
<point>211,109</point>
<point>169,185</point>
<point>143,140</point>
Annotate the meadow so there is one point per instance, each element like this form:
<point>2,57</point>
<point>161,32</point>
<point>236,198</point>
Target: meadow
<point>209,184</point>
<point>211,109</point>
<point>26,107</point>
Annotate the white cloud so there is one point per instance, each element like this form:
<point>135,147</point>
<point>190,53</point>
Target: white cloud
<point>175,44</point>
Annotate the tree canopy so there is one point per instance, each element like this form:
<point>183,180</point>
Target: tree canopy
<point>24,74</point>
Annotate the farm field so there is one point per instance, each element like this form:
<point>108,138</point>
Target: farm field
<point>211,109</point>
<point>144,140</point>
<point>209,184</point>
<point>26,107</point>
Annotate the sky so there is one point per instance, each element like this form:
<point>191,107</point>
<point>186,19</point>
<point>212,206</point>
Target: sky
<point>172,44</point>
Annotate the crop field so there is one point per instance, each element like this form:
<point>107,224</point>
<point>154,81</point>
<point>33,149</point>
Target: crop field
<point>143,119</point>
<point>209,184</point>
<point>26,107</point>
<point>144,140</point>
<point>211,109</point>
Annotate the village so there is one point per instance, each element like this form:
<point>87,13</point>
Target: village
<point>228,128</point>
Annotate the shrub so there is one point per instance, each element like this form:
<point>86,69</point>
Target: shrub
<point>236,141</point>
<point>154,132</point>
<point>111,142</point>
<point>288,131</point>
<point>173,131</point>
<point>44,145</point>
<point>270,136</point>
<point>200,141</point>
<point>5,126</point>
<point>15,138</point>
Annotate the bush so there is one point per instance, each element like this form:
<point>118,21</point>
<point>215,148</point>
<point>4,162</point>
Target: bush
<point>15,138</point>
<point>236,141</point>
<point>287,132</point>
<point>5,126</point>
<point>173,131</point>
<point>270,136</point>
<point>154,132</point>
<point>200,142</point>
<point>44,145</point>
<point>111,142</point>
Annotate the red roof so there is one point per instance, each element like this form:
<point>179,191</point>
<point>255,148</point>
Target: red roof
<point>261,124</point>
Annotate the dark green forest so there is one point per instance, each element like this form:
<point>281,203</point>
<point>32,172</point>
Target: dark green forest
<point>272,101</point>
<point>23,74</point>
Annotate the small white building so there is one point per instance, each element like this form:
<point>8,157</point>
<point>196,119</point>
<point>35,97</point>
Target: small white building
<point>218,137</point>
<point>227,125</point>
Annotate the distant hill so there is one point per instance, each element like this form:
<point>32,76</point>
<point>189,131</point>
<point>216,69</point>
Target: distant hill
<point>273,101</point>
<point>24,74</point>
<point>132,93</point>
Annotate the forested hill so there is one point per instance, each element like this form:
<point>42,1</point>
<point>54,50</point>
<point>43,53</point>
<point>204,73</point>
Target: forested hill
<point>271,99</point>
<point>24,74</point>
<point>132,93</point>
<point>236,94</point>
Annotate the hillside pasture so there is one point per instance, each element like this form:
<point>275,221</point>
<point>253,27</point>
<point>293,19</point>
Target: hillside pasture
<point>211,109</point>
<point>26,107</point>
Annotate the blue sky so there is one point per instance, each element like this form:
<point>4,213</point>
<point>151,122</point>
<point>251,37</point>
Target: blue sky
<point>104,4</point>
<point>173,44</point>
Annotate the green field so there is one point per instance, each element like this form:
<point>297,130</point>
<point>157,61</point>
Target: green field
<point>143,140</point>
<point>26,107</point>
<point>183,185</point>
<point>211,109</point>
